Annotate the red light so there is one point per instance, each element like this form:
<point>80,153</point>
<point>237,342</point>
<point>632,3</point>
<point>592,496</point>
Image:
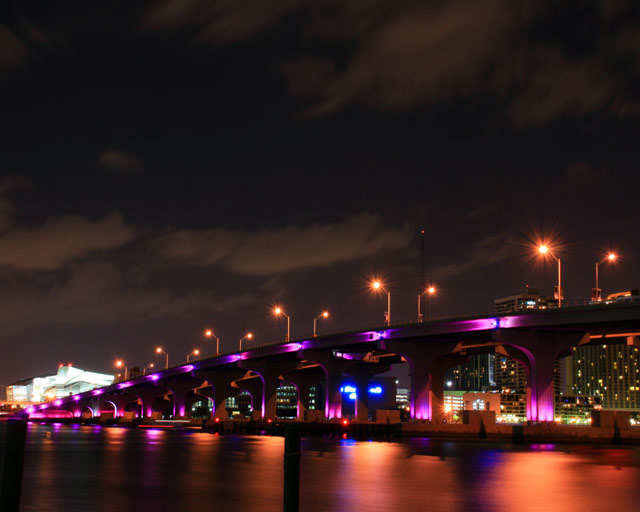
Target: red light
<point>60,365</point>
<point>345,422</point>
<point>69,364</point>
<point>269,420</point>
<point>217,420</point>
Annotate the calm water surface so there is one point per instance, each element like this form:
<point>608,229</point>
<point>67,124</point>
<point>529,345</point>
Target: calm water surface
<point>81,468</point>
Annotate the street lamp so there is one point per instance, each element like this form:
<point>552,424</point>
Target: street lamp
<point>377,285</point>
<point>160,351</point>
<point>120,364</point>
<point>543,249</point>
<point>596,295</point>
<point>209,334</point>
<point>247,336</point>
<point>278,311</point>
<point>144,371</point>
<point>324,314</point>
<point>195,352</point>
<point>428,292</point>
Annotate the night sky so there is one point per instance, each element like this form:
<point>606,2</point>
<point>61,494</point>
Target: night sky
<point>170,166</point>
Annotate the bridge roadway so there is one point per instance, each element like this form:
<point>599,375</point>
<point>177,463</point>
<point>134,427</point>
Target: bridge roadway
<point>535,338</point>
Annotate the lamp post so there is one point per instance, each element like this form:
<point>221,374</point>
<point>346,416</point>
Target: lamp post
<point>377,285</point>
<point>160,351</point>
<point>195,352</point>
<point>144,371</point>
<point>597,292</point>
<point>120,364</point>
<point>324,314</point>
<point>209,334</point>
<point>247,336</point>
<point>545,250</point>
<point>278,311</point>
<point>429,291</point>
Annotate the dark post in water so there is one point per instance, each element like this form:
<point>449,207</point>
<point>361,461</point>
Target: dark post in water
<point>291,468</point>
<point>11,484</point>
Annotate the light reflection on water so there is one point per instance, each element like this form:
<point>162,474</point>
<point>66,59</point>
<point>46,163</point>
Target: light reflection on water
<point>71,468</point>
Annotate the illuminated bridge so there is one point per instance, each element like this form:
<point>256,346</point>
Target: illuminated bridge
<point>535,338</point>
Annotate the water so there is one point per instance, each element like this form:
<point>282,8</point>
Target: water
<point>91,468</point>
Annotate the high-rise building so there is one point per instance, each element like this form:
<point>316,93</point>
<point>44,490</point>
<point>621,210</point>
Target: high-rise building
<point>478,374</point>
<point>609,372</point>
<point>510,375</point>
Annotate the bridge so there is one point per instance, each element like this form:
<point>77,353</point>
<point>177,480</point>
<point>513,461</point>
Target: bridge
<point>536,339</point>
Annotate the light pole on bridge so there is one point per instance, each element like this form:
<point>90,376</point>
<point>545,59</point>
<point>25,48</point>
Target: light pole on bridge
<point>160,351</point>
<point>543,249</point>
<point>377,285</point>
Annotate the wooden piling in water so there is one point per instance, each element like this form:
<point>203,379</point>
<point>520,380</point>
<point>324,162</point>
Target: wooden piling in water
<point>291,468</point>
<point>15,434</point>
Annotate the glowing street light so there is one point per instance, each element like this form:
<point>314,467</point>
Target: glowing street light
<point>428,292</point>
<point>144,371</point>
<point>209,334</point>
<point>195,352</point>
<point>160,351</point>
<point>324,314</point>
<point>247,336</point>
<point>543,249</point>
<point>120,364</point>
<point>597,292</point>
<point>278,311</point>
<point>377,285</point>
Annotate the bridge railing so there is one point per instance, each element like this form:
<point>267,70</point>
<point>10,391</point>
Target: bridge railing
<point>573,305</point>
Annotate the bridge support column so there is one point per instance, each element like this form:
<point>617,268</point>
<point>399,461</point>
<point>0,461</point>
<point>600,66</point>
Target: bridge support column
<point>420,355</point>
<point>362,374</point>
<point>255,387</point>
<point>181,387</point>
<point>220,380</point>
<point>333,368</point>
<point>304,380</point>
<point>541,349</point>
<point>148,394</point>
<point>270,373</point>
<point>120,402</point>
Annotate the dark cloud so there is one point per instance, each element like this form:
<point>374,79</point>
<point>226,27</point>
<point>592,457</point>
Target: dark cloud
<point>222,21</point>
<point>285,249</point>
<point>97,293</point>
<point>9,185</point>
<point>118,160</point>
<point>485,252</point>
<point>12,50</point>
<point>60,240</point>
<point>556,86</point>
<point>421,54</point>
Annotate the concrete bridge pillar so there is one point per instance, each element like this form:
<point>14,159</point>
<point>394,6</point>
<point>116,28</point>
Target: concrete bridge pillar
<point>304,380</point>
<point>421,356</point>
<point>362,373</point>
<point>540,349</point>
<point>333,368</point>
<point>120,402</point>
<point>181,387</point>
<point>270,373</point>
<point>255,387</point>
<point>148,394</point>
<point>220,380</point>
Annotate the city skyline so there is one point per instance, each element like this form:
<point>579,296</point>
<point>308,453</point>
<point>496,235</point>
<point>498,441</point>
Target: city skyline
<point>170,168</point>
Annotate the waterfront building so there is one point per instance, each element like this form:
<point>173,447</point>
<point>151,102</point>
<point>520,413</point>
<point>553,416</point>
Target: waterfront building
<point>576,410</point>
<point>67,381</point>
